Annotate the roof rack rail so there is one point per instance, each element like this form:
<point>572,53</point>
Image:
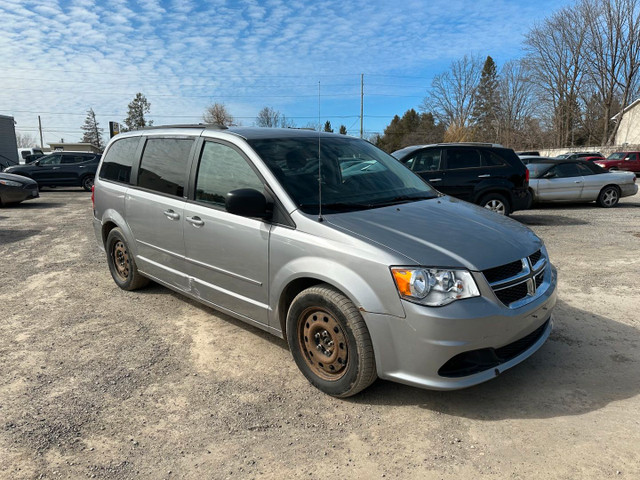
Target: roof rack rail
<point>187,125</point>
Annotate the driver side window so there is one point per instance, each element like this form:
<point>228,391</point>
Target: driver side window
<point>51,160</point>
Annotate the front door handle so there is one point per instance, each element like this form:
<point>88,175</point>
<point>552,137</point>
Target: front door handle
<point>55,168</point>
<point>171,215</point>
<point>435,180</point>
<point>486,175</point>
<point>578,181</point>
<point>195,221</point>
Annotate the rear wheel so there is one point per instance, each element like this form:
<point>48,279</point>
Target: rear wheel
<point>87,182</point>
<point>609,197</point>
<point>496,203</point>
<point>122,265</point>
<point>330,342</point>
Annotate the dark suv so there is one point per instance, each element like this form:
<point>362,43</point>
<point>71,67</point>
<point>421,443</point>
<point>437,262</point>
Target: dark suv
<point>486,174</point>
<point>61,169</point>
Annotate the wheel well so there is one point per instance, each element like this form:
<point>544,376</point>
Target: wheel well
<point>106,228</point>
<point>289,293</point>
<point>504,193</point>
<point>617,187</point>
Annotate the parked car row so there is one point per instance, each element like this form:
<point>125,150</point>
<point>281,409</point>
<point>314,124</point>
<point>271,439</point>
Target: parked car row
<point>75,169</point>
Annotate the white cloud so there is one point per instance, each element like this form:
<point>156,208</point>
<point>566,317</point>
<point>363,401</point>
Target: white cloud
<point>62,57</point>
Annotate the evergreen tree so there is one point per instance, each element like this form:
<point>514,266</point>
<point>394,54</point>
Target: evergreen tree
<point>135,116</point>
<point>92,131</point>
<point>327,127</point>
<point>411,129</point>
<point>343,130</point>
<point>487,101</point>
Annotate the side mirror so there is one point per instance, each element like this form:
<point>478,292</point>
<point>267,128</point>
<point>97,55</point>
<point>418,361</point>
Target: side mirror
<point>549,175</point>
<point>246,202</point>
<point>37,163</point>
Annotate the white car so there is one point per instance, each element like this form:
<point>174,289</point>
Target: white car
<point>553,180</point>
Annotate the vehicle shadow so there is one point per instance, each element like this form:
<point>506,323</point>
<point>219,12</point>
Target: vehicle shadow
<point>155,288</point>
<point>11,236</point>
<point>33,205</point>
<point>546,220</point>
<point>588,362</point>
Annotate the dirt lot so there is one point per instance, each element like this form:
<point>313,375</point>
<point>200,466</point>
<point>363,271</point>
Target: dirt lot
<point>96,382</point>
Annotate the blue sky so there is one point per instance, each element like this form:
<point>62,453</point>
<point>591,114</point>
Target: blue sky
<point>59,58</point>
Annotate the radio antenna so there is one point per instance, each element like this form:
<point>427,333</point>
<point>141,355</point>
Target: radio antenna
<point>320,219</point>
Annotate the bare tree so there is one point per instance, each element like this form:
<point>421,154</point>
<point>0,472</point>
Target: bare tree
<point>516,102</point>
<point>217,114</point>
<point>556,53</point>
<point>451,98</point>
<point>26,140</point>
<point>270,118</point>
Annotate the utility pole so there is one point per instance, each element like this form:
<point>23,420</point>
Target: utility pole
<point>40,128</point>
<point>362,105</point>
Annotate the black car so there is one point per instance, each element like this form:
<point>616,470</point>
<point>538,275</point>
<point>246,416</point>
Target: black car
<point>16,188</point>
<point>489,175</point>
<point>61,169</point>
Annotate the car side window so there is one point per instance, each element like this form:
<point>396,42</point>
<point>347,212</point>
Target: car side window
<point>222,169</point>
<point>163,168</point>
<point>583,170</point>
<point>67,159</point>
<point>119,160</point>
<point>491,159</point>
<point>463,158</point>
<point>426,160</point>
<point>566,170</point>
<point>51,160</point>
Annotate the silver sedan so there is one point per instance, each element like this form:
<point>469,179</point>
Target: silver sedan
<point>578,181</point>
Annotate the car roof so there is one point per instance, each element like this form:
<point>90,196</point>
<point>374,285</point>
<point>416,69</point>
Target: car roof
<point>248,133</point>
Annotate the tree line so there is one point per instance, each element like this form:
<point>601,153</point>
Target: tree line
<point>579,73</point>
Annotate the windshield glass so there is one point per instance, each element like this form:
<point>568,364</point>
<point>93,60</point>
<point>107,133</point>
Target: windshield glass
<point>537,169</point>
<point>616,156</point>
<point>355,174</point>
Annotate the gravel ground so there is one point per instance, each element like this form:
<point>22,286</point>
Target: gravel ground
<point>96,382</point>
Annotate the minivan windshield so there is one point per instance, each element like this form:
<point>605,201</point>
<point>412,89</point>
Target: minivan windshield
<point>355,174</point>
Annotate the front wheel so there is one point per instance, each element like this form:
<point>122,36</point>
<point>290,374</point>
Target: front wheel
<point>496,203</point>
<point>330,342</point>
<point>122,265</point>
<point>609,197</point>
<point>87,182</point>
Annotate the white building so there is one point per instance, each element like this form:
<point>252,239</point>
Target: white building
<point>629,130</point>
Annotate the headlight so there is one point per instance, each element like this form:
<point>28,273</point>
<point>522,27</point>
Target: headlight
<point>599,164</point>
<point>10,183</point>
<point>434,287</point>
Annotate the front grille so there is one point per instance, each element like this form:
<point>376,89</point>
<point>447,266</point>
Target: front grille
<point>476,361</point>
<point>512,294</point>
<point>517,280</point>
<point>503,272</point>
<point>535,257</point>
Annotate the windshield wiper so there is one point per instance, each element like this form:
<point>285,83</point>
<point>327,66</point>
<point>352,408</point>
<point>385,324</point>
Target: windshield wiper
<point>339,206</point>
<point>405,199</point>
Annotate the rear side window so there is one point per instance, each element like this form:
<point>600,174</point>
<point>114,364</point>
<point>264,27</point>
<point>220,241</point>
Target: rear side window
<point>221,170</point>
<point>491,159</point>
<point>164,165</point>
<point>463,158</point>
<point>119,159</point>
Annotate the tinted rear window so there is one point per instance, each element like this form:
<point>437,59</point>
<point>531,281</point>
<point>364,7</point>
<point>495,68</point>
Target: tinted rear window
<point>119,159</point>
<point>164,165</point>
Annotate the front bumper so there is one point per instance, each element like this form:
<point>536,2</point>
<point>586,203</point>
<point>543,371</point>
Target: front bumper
<point>419,349</point>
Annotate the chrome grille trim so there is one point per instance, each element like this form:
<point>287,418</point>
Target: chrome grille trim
<point>537,279</point>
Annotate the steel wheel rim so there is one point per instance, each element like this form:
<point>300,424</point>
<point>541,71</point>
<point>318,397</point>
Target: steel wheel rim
<point>121,260</point>
<point>323,344</point>
<point>495,206</point>
<point>610,197</point>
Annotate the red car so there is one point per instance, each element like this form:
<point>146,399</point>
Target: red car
<point>629,161</point>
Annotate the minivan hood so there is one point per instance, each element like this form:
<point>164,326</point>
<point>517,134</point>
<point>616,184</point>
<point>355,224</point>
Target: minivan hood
<point>442,232</point>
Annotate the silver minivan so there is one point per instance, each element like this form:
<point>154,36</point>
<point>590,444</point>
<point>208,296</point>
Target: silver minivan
<point>330,243</point>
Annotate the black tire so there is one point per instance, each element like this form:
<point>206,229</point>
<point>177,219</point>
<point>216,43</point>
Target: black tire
<point>496,203</point>
<point>122,265</point>
<point>330,342</point>
<point>87,182</point>
<point>609,196</point>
